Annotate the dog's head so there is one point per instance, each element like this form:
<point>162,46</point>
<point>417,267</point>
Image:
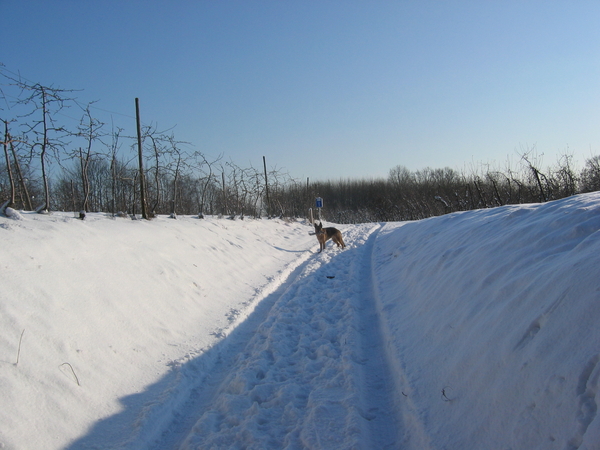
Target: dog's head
<point>318,228</point>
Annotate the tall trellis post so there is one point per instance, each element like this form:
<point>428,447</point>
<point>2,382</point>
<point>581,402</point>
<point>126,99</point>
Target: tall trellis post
<point>141,160</point>
<point>266,186</point>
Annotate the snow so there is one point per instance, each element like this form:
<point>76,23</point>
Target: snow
<point>471,330</point>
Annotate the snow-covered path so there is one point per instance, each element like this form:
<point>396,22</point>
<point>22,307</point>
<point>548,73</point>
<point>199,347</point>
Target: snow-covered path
<point>305,371</point>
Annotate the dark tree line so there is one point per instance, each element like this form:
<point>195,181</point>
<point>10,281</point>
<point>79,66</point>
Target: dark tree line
<point>407,195</point>
<point>51,163</point>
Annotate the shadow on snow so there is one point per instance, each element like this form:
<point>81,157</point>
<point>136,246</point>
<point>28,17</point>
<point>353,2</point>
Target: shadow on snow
<point>166,411</point>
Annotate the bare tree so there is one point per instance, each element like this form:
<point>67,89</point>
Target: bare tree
<point>178,161</point>
<point>565,180</point>
<point>590,176</point>
<point>48,138</point>
<point>90,129</point>
<point>207,181</point>
<point>530,159</point>
<point>113,148</point>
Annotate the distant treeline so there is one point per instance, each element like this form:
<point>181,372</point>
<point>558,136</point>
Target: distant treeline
<point>52,162</point>
<point>407,195</point>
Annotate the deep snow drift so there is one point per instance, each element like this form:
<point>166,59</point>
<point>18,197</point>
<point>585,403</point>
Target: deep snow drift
<point>471,330</point>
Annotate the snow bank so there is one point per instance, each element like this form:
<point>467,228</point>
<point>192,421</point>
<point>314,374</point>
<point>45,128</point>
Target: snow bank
<point>493,323</point>
<point>108,307</point>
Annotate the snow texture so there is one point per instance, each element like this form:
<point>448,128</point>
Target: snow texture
<point>471,330</point>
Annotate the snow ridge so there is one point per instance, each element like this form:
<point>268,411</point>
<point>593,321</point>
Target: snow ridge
<point>398,388</point>
<point>494,324</point>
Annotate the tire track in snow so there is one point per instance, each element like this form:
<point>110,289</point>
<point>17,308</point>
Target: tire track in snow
<point>306,371</point>
<point>380,396</point>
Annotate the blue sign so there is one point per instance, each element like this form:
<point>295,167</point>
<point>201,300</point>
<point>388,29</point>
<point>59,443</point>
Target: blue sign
<point>319,202</point>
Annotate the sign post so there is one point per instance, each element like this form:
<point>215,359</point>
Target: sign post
<point>319,202</point>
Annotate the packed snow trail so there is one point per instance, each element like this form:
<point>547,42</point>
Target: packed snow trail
<point>311,375</point>
<point>202,386</point>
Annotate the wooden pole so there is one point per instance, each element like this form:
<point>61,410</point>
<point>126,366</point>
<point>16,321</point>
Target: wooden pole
<point>266,186</point>
<point>224,195</point>
<point>141,160</point>
<point>11,200</point>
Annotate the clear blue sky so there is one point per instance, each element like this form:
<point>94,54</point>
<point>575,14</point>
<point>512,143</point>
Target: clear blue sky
<point>328,89</point>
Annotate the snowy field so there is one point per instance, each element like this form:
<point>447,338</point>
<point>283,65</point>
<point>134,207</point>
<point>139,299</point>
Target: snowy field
<point>474,330</point>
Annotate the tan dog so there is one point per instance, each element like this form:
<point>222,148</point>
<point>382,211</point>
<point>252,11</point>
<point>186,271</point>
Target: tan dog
<point>324,234</point>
